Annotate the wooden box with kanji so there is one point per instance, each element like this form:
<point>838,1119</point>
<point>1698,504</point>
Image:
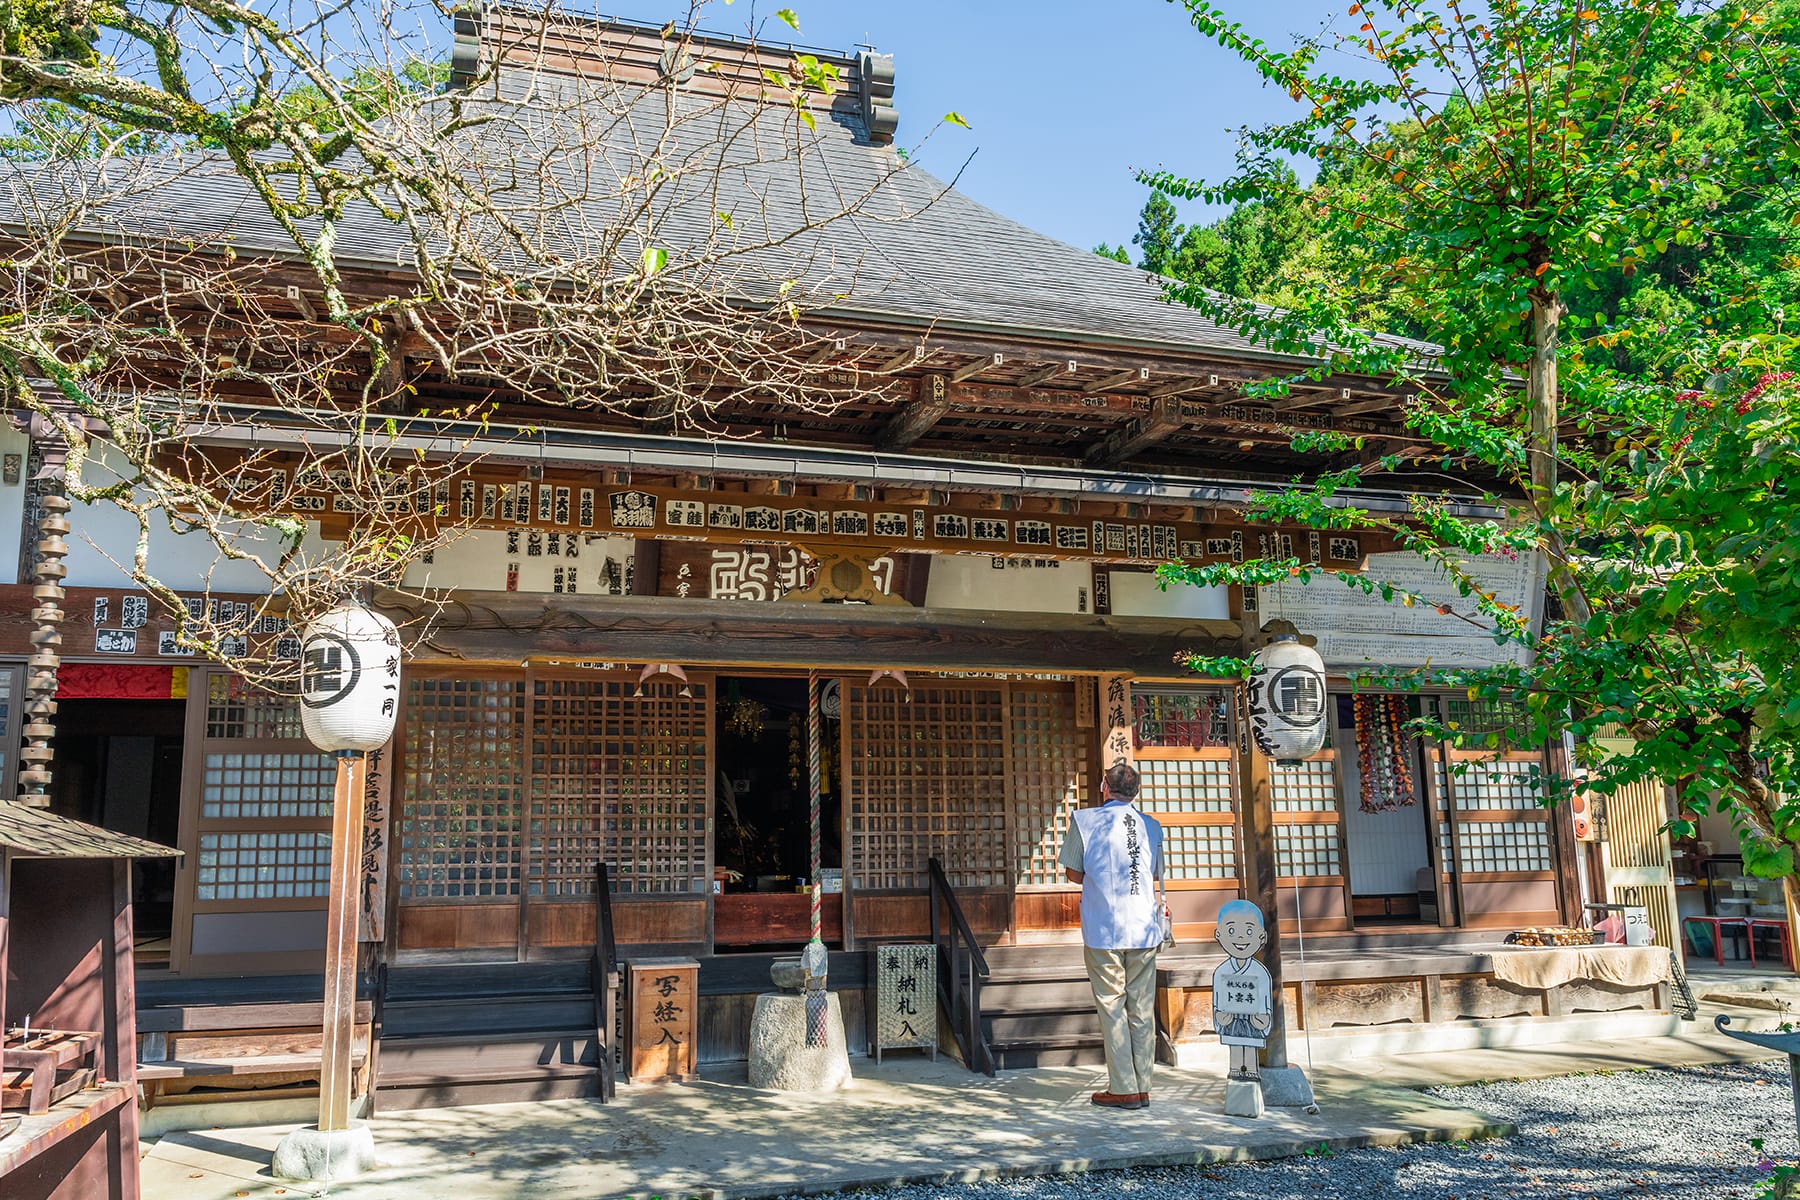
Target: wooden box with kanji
<point>661,998</point>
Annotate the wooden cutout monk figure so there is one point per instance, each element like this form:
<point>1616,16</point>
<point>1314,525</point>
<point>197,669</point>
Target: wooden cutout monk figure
<point>1243,998</point>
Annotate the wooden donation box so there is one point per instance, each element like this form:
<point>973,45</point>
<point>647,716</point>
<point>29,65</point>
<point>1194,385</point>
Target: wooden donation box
<point>906,998</point>
<point>662,996</point>
<point>68,1038</point>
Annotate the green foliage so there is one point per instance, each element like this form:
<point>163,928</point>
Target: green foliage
<point>1595,198</point>
<point>1116,253</point>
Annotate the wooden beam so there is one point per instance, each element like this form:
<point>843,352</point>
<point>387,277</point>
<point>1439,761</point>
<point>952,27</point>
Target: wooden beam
<point>660,415</point>
<point>972,369</point>
<point>912,356</point>
<point>510,626</point>
<point>1182,387</point>
<point>1310,398</point>
<point>1163,419</point>
<point>830,348</point>
<point>1046,374</point>
<point>301,304</point>
<point>913,420</point>
<point>1140,375</point>
<point>1377,404</point>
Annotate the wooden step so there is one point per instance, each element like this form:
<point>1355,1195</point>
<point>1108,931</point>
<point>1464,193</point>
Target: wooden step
<point>471,980</point>
<point>403,1092</point>
<point>1024,1027</point>
<point>518,1014</point>
<point>447,1056</point>
<point>1049,1052</point>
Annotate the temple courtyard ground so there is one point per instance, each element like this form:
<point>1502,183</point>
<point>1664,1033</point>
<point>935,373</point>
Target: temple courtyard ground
<point>1666,1117</point>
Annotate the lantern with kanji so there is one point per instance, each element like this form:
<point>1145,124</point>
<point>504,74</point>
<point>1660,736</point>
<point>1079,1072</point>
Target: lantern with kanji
<point>1287,700</point>
<point>349,679</point>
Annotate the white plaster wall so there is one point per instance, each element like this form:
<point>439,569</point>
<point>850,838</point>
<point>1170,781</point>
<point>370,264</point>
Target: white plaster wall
<point>1135,594</point>
<point>479,559</point>
<point>971,581</point>
<point>103,536</point>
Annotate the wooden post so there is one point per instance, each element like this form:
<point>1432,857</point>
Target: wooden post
<point>342,913</point>
<point>1259,842</point>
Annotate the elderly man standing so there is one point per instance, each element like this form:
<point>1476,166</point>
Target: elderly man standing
<point>1115,853</point>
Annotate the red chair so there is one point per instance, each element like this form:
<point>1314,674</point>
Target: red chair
<point>1716,926</point>
<point>1780,929</point>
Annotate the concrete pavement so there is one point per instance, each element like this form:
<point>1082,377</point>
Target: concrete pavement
<point>908,1120</point>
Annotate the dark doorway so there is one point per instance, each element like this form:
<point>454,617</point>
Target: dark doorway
<point>762,823</point>
<point>118,765</point>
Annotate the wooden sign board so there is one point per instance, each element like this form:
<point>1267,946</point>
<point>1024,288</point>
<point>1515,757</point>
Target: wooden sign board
<point>906,998</point>
<point>483,496</point>
<point>661,995</point>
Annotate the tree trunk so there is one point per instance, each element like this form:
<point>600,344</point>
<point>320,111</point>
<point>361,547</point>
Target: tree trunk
<point>1540,442</point>
<point>1541,392</point>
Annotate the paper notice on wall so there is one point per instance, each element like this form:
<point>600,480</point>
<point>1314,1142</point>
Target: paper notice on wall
<point>1356,629</point>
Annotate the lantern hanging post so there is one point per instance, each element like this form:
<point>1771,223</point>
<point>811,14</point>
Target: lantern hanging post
<point>1281,718</point>
<point>349,698</point>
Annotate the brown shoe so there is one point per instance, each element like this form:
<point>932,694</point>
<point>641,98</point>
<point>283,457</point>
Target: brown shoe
<point>1143,1099</point>
<point>1118,1100</point>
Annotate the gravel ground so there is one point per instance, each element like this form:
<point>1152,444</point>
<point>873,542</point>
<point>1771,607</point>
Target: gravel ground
<point>1672,1135</point>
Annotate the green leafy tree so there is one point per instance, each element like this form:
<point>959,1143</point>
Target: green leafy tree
<point>1116,253</point>
<point>1498,174</point>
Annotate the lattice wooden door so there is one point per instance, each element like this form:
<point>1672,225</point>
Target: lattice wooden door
<point>462,811</point>
<point>257,830</point>
<point>927,777</point>
<point>1189,783</point>
<point>1049,776</point>
<point>622,777</point>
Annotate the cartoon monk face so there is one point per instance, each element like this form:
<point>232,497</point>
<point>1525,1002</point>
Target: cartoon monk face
<point>1240,930</point>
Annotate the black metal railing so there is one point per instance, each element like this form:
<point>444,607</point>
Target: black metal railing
<point>606,960</point>
<point>961,969</point>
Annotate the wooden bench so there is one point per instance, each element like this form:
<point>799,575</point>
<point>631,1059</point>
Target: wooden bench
<point>210,1052</point>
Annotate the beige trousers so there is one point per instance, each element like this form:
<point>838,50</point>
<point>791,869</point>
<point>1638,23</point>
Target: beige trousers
<point>1124,983</point>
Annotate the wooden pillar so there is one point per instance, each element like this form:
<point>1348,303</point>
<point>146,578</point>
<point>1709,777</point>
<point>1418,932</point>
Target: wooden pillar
<point>342,914</point>
<point>1259,845</point>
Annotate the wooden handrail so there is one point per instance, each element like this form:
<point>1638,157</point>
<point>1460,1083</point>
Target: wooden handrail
<point>958,989</point>
<point>606,959</point>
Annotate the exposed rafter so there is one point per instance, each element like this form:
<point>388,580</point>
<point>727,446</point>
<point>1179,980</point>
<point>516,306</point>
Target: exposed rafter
<point>1139,375</point>
<point>1377,404</point>
<point>1163,419</point>
<point>1182,387</point>
<point>1044,375</point>
<point>971,369</point>
<point>910,423</point>
<point>912,356</point>
<point>830,348</point>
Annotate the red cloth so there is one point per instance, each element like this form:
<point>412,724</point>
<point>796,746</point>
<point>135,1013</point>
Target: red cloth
<point>109,681</point>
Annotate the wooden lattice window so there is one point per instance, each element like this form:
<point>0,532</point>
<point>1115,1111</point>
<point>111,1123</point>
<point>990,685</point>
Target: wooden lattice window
<point>1306,808</point>
<point>1182,718</point>
<point>928,778</point>
<point>1193,793</point>
<point>263,827</point>
<point>1499,827</point>
<point>462,790</point>
<point>236,710</point>
<point>1049,777</point>
<point>618,772</point>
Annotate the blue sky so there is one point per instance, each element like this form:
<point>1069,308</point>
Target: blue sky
<point>1065,99</point>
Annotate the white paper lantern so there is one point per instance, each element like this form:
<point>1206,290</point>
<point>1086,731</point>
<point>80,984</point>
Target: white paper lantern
<point>1287,700</point>
<point>349,679</point>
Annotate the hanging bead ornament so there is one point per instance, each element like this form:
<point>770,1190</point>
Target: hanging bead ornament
<point>1383,753</point>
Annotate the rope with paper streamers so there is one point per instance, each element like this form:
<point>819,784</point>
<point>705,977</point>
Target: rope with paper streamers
<point>815,958</point>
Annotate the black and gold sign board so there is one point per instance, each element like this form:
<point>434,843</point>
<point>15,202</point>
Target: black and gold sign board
<point>578,504</point>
